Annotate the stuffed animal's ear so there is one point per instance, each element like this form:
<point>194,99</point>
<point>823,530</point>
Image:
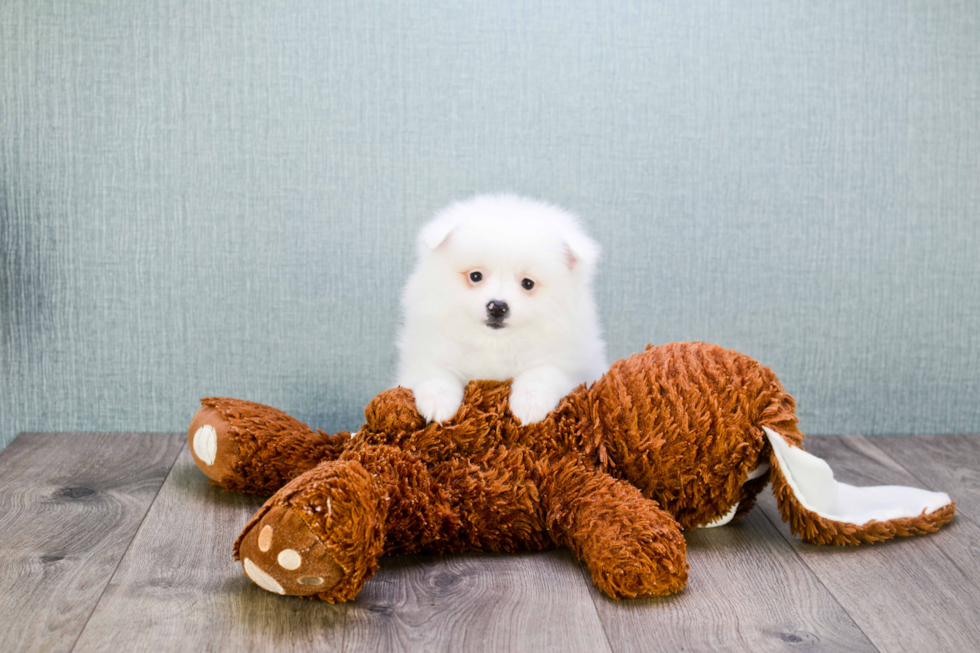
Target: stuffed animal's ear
<point>581,252</point>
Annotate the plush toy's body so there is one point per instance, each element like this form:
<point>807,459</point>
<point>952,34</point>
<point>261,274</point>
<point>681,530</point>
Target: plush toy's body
<point>676,437</point>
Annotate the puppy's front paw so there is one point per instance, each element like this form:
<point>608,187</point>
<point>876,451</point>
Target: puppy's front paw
<point>531,404</point>
<point>438,399</point>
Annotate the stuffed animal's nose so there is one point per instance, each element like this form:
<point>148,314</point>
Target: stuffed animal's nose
<point>496,309</point>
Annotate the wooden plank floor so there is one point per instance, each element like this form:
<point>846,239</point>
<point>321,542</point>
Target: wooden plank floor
<point>117,542</point>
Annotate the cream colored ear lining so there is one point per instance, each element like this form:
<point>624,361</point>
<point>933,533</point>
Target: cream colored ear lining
<point>816,489</point>
<point>724,519</point>
<point>728,516</point>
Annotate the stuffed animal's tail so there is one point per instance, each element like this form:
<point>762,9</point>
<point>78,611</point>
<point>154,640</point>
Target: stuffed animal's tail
<point>824,511</point>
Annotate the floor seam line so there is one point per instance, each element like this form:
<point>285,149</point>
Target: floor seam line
<point>591,590</point>
<point>820,581</point>
<point>129,545</point>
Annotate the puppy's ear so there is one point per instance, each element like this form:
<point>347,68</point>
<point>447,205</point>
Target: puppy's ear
<point>581,252</point>
<point>437,231</point>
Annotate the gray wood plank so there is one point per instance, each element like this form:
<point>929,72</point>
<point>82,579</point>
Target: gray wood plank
<point>68,502</point>
<point>950,463</point>
<point>906,594</point>
<point>70,505</point>
<point>476,602</point>
<point>178,587</point>
<point>747,591</point>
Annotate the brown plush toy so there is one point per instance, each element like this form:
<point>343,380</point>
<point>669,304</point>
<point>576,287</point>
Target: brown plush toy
<point>676,437</point>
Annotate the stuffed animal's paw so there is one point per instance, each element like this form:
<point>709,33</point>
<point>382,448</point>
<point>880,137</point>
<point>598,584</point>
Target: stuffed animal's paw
<point>281,554</point>
<point>438,399</point>
<point>319,535</point>
<point>213,445</point>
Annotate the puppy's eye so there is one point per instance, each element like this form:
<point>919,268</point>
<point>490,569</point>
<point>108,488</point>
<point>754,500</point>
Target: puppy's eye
<point>476,276</point>
<point>527,284</point>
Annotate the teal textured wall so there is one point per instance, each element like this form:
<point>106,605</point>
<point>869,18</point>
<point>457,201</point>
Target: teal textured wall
<point>220,198</point>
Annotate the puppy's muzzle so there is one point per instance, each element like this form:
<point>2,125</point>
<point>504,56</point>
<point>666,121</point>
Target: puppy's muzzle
<point>496,313</point>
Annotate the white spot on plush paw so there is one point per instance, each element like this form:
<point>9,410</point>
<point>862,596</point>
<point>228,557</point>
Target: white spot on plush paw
<point>261,578</point>
<point>265,538</point>
<point>289,559</point>
<point>529,404</point>
<point>206,444</point>
<point>438,399</point>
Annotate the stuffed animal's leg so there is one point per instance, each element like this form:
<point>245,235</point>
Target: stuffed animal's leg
<point>323,532</point>
<point>249,447</point>
<point>632,547</point>
<point>825,511</point>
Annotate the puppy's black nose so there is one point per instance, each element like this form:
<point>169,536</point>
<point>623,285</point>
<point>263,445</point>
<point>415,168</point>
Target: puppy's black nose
<point>497,310</point>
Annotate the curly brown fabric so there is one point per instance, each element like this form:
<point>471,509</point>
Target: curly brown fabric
<point>665,441</point>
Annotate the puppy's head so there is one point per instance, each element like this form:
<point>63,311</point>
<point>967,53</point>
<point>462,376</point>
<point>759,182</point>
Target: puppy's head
<point>499,264</point>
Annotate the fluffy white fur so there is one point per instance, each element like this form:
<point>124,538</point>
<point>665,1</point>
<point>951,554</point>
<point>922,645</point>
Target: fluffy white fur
<point>549,341</point>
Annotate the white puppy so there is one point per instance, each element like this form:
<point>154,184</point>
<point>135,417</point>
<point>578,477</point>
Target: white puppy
<point>502,290</point>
